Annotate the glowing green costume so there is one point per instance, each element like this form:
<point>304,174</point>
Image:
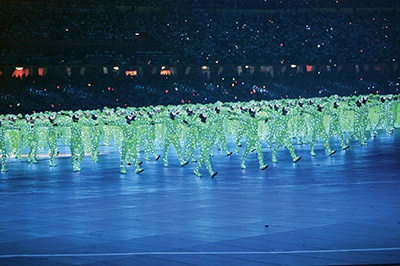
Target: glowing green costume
<point>205,143</point>
<point>317,128</point>
<point>52,137</point>
<point>253,141</point>
<point>191,135</point>
<point>217,120</point>
<point>283,135</point>
<point>361,121</point>
<point>3,148</point>
<point>30,139</point>
<point>129,148</point>
<point>76,145</point>
<point>173,136</point>
<point>335,127</point>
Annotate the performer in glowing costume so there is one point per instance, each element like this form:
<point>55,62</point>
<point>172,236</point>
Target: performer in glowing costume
<point>252,138</point>
<point>92,124</point>
<point>300,126</point>
<point>374,114</point>
<point>386,116</point>
<point>76,145</point>
<point>173,137</point>
<point>14,135</point>
<point>205,135</point>
<point>236,126</point>
<point>149,136</point>
<point>52,138</point>
<point>360,121</point>
<point>335,128</point>
<point>283,135</point>
<point>3,148</point>
<point>31,138</point>
<point>318,128</point>
<point>217,119</point>
<point>192,133</point>
<point>129,148</point>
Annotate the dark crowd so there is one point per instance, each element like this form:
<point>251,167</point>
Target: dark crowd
<point>352,47</point>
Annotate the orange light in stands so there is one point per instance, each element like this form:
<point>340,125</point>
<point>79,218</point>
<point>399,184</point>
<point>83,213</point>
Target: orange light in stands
<point>40,71</point>
<point>165,72</point>
<point>131,73</point>
<point>166,91</point>
<point>20,71</point>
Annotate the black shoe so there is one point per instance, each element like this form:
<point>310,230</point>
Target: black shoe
<point>264,167</point>
<point>129,163</point>
<point>229,153</point>
<point>139,171</point>
<point>185,163</point>
<point>332,152</point>
<point>140,163</point>
<point>158,157</point>
<point>213,175</point>
<point>298,158</point>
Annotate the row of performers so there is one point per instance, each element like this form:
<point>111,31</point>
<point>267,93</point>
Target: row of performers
<point>187,128</point>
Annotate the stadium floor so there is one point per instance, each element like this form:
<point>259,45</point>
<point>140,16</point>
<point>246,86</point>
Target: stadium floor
<point>338,210</point>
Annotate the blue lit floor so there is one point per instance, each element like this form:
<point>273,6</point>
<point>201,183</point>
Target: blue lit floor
<point>343,209</point>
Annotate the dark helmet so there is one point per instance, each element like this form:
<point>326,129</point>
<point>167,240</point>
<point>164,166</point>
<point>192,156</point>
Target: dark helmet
<point>203,117</point>
<point>335,105</point>
<point>252,112</point>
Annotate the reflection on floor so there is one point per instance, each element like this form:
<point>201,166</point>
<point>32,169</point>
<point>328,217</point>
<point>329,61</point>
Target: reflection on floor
<point>338,210</point>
